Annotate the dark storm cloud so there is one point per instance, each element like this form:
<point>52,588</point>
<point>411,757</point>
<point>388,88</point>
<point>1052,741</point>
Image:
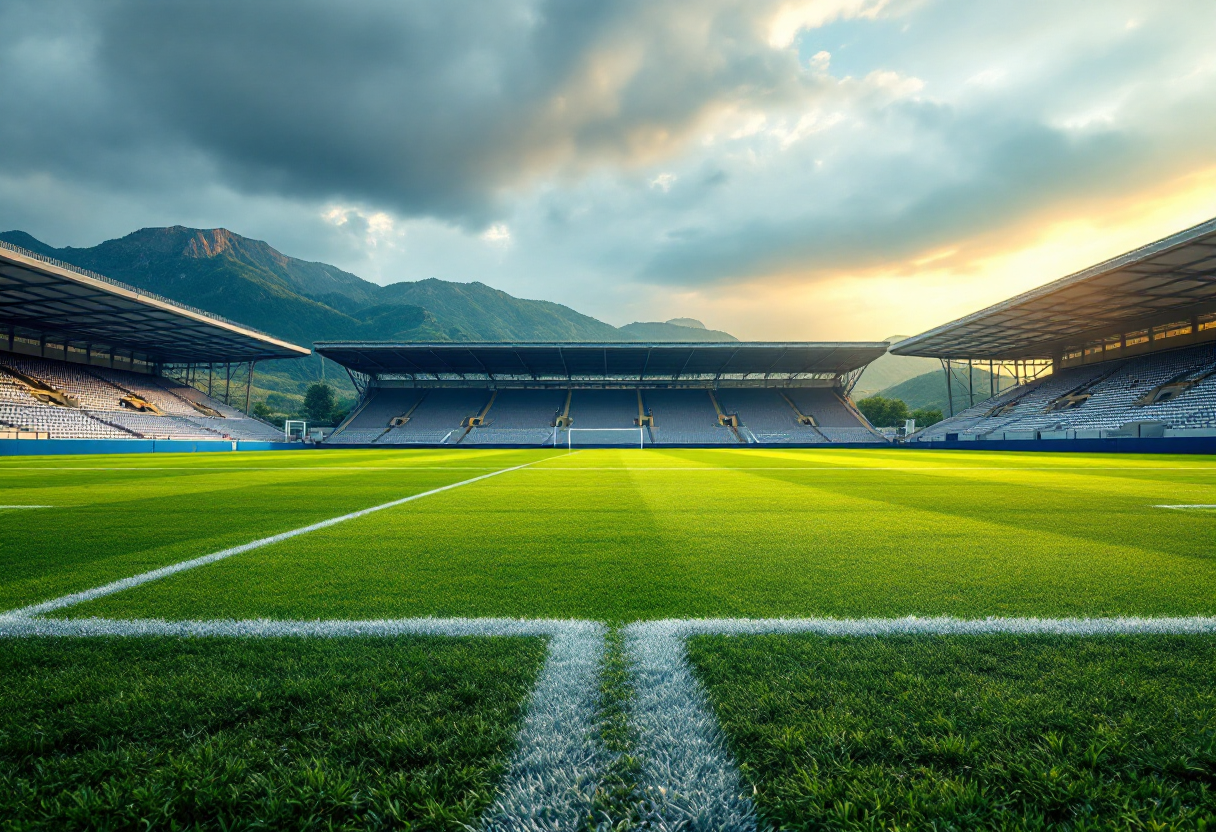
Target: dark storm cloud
<point>425,108</point>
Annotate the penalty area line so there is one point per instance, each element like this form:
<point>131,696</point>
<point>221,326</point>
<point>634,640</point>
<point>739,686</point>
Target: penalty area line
<point>165,571</point>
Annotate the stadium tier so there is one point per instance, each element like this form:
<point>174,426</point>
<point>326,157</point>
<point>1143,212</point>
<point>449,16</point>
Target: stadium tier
<point>604,394</point>
<point>1124,349</point>
<point>86,357</point>
<point>66,401</point>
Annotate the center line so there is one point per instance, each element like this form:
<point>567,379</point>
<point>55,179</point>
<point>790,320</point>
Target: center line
<point>165,571</point>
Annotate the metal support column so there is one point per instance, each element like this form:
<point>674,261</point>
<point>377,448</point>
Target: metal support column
<point>249,386</point>
<point>949,388</point>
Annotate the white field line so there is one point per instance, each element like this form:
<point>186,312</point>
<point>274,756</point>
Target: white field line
<point>566,468</point>
<point>165,571</point>
<point>835,468</point>
<point>689,779</point>
<point>10,507</point>
<point>249,468</point>
<point>1179,506</point>
<point>555,768</point>
<point>558,762</point>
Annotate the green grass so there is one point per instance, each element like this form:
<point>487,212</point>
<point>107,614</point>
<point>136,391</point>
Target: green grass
<point>994,732</point>
<point>116,516</point>
<point>626,535</point>
<point>259,733</point>
<point>869,733</point>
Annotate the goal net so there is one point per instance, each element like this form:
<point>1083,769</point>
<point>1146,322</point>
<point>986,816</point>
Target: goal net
<point>606,436</point>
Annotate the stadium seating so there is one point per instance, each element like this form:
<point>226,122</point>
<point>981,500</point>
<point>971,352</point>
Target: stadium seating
<point>686,417</point>
<point>437,417</point>
<point>61,422</point>
<point>766,417</point>
<point>519,417</point>
<point>592,409</point>
<point>527,417</point>
<point>101,414</point>
<point>1097,400</point>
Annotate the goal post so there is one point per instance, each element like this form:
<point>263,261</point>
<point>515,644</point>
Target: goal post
<point>640,431</point>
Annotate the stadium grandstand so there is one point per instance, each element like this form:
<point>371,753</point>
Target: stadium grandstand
<point>582,394</point>
<point>86,357</point>
<point>1124,349</point>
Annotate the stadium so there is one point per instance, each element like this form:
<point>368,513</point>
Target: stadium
<point>611,585</point>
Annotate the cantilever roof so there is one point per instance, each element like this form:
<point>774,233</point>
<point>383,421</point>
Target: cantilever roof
<point>658,361</point>
<point>1155,284</point>
<point>44,295</point>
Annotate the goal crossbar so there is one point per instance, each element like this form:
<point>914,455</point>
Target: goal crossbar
<point>641,431</point>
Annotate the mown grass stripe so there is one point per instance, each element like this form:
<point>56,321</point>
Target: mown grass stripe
<point>172,569</point>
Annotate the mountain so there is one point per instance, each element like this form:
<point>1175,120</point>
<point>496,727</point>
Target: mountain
<point>889,370</point>
<point>677,329</point>
<point>929,390</point>
<point>249,281</point>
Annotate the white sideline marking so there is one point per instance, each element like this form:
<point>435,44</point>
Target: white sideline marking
<point>248,467</point>
<point>835,468</point>
<point>555,769</point>
<point>5,507</point>
<point>1179,506</point>
<point>165,571</point>
<point>689,779</point>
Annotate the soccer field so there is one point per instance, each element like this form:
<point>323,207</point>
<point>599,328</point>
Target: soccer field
<point>1008,562</point>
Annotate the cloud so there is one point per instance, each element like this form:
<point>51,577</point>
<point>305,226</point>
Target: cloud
<point>663,182</point>
<point>497,233</point>
<point>622,156</point>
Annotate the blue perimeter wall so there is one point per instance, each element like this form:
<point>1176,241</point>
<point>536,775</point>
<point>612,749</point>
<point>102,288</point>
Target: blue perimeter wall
<point>39,447</point>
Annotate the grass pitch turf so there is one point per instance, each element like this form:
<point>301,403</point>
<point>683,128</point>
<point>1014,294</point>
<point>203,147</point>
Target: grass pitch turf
<point>626,535</point>
<point>114,516</point>
<point>261,733</point>
<point>618,536</point>
<point>989,732</point>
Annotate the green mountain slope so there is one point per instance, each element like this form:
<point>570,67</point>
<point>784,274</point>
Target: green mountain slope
<point>677,329</point>
<point>929,390</point>
<point>889,370</point>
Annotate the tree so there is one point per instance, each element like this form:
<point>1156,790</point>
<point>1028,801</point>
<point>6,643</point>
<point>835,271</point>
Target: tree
<point>925,417</point>
<point>319,403</point>
<point>262,411</point>
<point>883,413</point>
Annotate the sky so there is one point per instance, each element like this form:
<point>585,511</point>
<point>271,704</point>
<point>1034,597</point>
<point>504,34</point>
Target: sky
<point>823,170</point>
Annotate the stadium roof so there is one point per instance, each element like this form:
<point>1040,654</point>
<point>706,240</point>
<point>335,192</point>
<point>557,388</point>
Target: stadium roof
<point>48,296</point>
<point>1159,283</point>
<point>656,361</point>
